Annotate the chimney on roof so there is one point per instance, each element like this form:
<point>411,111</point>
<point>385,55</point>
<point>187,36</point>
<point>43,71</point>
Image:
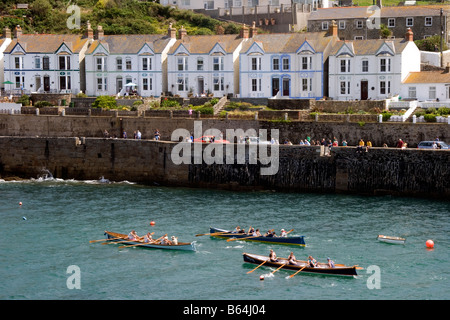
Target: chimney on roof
<point>100,33</point>
<point>447,68</point>
<point>253,30</point>
<point>17,32</point>
<point>172,32</point>
<point>409,36</point>
<point>244,32</point>
<point>334,29</point>
<point>89,32</point>
<point>6,33</point>
<point>182,33</point>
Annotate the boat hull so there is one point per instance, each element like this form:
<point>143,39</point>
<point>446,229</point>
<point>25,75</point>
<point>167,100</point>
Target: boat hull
<point>184,246</point>
<point>321,269</point>
<point>296,241</point>
<point>391,240</point>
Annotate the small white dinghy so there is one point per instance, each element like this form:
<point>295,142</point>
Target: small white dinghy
<point>393,240</point>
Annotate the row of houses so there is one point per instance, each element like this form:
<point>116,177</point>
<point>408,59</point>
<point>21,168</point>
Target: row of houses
<point>310,65</point>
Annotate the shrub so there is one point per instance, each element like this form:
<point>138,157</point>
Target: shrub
<point>204,109</point>
<point>443,111</point>
<point>105,102</point>
<point>41,104</point>
<point>168,103</point>
<point>386,116</point>
<point>430,117</point>
<point>24,100</point>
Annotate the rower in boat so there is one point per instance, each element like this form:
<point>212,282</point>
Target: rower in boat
<point>256,233</point>
<point>272,256</point>
<point>133,236</point>
<point>291,259</point>
<point>283,233</point>
<point>236,230</point>
<point>165,240</point>
<point>251,230</point>
<point>174,240</point>
<point>312,262</point>
<point>330,263</point>
<point>148,238</point>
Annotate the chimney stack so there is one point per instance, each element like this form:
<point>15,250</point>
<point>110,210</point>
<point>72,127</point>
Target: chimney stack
<point>182,33</point>
<point>89,31</point>
<point>253,30</point>
<point>172,32</point>
<point>17,32</point>
<point>100,33</point>
<point>334,29</point>
<point>244,32</point>
<point>409,36</point>
<point>6,33</point>
<point>447,68</point>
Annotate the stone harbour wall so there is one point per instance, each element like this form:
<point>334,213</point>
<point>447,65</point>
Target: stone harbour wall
<point>410,172</point>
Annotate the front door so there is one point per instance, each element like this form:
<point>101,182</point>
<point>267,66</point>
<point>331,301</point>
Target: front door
<point>286,85</point>
<point>275,86</point>
<point>46,83</point>
<point>364,90</point>
<point>201,87</point>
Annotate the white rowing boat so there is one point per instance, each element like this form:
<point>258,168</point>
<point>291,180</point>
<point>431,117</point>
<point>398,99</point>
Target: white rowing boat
<point>389,239</point>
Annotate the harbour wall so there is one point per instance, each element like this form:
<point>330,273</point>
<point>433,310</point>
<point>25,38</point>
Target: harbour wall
<point>408,172</point>
<point>93,126</point>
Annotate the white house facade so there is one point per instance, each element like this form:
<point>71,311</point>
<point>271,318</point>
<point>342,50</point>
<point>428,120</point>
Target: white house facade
<point>216,4</point>
<point>125,64</point>
<point>204,64</point>
<point>44,63</point>
<point>5,40</point>
<point>371,69</point>
<point>433,86</point>
<point>284,66</point>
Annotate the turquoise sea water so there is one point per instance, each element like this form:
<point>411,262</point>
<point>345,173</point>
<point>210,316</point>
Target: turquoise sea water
<point>51,230</point>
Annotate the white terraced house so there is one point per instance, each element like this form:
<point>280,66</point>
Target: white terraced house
<point>44,63</point>
<point>371,69</point>
<point>127,64</point>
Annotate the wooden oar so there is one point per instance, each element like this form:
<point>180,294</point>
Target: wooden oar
<point>211,234</point>
<point>257,266</point>
<point>278,268</point>
<point>92,241</point>
<point>296,272</point>
<point>109,242</point>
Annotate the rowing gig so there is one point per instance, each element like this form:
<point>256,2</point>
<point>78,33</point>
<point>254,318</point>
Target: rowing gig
<point>322,268</point>
<point>222,233</point>
<point>123,240</point>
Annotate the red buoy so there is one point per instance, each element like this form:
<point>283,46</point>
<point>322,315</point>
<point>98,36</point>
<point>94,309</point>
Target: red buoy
<point>429,244</point>
<point>152,223</point>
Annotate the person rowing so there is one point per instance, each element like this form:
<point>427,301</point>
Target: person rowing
<point>291,259</point>
<point>236,230</point>
<point>312,262</point>
<point>148,238</point>
<point>256,233</point>
<point>283,233</point>
<point>330,263</point>
<point>272,256</point>
<point>133,236</point>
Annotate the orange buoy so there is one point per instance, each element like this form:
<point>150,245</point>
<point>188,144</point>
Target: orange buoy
<point>20,203</point>
<point>429,244</point>
<point>152,223</point>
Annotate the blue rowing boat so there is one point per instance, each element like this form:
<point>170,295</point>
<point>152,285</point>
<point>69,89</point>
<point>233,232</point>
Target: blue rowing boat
<point>222,233</point>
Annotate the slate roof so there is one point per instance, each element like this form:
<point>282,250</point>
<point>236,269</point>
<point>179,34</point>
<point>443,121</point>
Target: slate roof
<point>288,42</point>
<point>203,44</point>
<point>371,46</point>
<point>47,43</point>
<point>428,77</point>
<point>131,44</point>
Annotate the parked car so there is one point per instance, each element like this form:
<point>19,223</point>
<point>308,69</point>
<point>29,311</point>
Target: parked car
<point>256,140</point>
<point>209,139</point>
<point>429,145</point>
